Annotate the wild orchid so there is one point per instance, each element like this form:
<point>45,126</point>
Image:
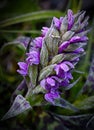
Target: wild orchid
<point>51,59</point>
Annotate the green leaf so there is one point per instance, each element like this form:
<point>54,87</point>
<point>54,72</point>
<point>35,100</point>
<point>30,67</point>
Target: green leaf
<point>65,104</point>
<point>51,40</point>
<point>29,17</point>
<point>72,84</point>
<point>57,59</point>
<point>78,122</point>
<point>45,72</point>
<point>88,87</point>
<point>21,31</point>
<point>85,104</point>
<point>38,89</point>
<point>44,55</point>
<point>67,36</point>
<point>19,105</point>
<point>21,41</point>
<point>19,90</point>
<point>33,73</point>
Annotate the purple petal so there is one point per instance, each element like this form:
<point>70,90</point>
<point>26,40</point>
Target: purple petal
<point>57,67</point>
<point>59,71</point>
<point>50,81</point>
<point>23,68</point>
<point>63,46</point>
<point>56,22</point>
<point>70,19</point>
<point>75,39</point>
<point>22,72</point>
<point>78,50</point>
<point>64,83</point>
<point>69,75</point>
<point>69,63</point>
<point>44,30</point>
<point>78,39</point>
<point>33,57</point>
<point>57,79</point>
<point>50,97</point>
<point>64,67</point>
<point>43,83</point>
<point>38,42</point>
<point>22,65</point>
<point>84,39</point>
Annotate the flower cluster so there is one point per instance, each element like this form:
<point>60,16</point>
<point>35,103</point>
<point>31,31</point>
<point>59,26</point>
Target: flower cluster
<point>56,52</point>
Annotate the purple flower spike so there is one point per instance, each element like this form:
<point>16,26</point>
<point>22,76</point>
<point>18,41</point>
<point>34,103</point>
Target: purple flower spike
<point>70,19</point>
<point>50,97</point>
<point>33,58</point>
<point>55,53</point>
<point>38,42</point>
<point>63,46</point>
<point>44,30</point>
<point>23,68</point>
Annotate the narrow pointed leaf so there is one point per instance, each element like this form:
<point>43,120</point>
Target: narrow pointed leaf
<point>44,55</point>
<point>21,87</point>
<point>71,85</point>
<point>75,121</point>
<point>46,71</point>
<point>19,105</point>
<point>29,17</point>
<point>33,71</point>
<point>65,104</point>
<point>89,85</point>
<point>58,58</point>
<point>85,104</point>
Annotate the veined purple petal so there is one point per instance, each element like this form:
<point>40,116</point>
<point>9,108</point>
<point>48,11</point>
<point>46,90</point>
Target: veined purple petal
<point>63,46</point>
<point>33,57</point>
<point>57,67</point>
<point>49,84</point>
<point>75,60</point>
<point>38,42</point>
<point>51,96</point>
<point>22,65</point>
<point>64,67</point>
<point>22,72</point>
<point>70,19</point>
<point>64,83</point>
<point>69,63</point>
<point>75,39</point>
<point>57,79</point>
<point>60,71</point>
<point>57,22</point>
<point>84,39</point>
<point>69,75</point>
<point>50,81</point>
<point>78,50</point>
<point>23,68</point>
<point>43,83</point>
<point>44,30</point>
<point>78,39</point>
